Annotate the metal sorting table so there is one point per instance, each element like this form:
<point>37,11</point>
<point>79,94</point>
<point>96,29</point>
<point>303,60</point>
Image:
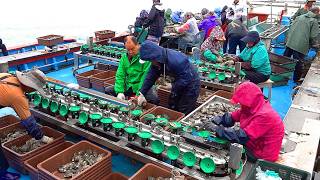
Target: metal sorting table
<point>30,56</point>
<point>86,58</point>
<point>304,117</point>
<point>122,145</point>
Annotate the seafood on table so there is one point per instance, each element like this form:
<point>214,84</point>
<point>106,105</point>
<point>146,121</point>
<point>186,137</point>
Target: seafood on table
<point>80,161</point>
<point>13,135</point>
<point>30,145</point>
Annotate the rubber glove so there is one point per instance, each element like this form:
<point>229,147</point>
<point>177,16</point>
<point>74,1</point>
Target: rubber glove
<point>121,96</point>
<point>141,100</point>
<point>32,127</point>
<point>167,86</point>
<point>46,139</point>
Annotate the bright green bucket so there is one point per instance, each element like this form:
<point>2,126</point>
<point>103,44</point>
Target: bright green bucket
<point>64,109</point>
<point>54,106</point>
<point>173,152</point>
<point>162,121</point>
<point>145,135</point>
<point>207,165</point>
<point>83,118</point>
<point>131,130</point>
<point>157,146</point>
<point>189,159</point>
<point>37,99</point>
<point>45,103</point>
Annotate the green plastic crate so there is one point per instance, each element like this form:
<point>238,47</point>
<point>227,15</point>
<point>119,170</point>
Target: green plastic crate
<point>285,172</point>
<point>282,61</point>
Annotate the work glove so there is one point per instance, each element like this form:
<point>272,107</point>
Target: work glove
<point>32,127</point>
<point>141,100</point>
<point>46,139</point>
<point>121,96</point>
<point>167,86</point>
<point>205,125</point>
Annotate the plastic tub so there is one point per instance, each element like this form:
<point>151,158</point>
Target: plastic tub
<point>163,97</point>
<point>173,115</point>
<point>31,164</point>
<point>284,172</point>
<point>261,16</point>
<point>224,94</point>
<point>84,78</point>
<point>109,82</point>
<point>151,170</point>
<point>16,160</point>
<point>282,61</point>
<point>102,168</point>
<point>104,34</point>
<point>7,121</point>
<point>115,176</point>
<point>9,129</point>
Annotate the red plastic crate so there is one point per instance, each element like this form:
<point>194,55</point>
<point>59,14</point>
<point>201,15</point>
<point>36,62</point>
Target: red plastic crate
<point>151,170</point>
<point>17,160</point>
<point>49,168</point>
<point>31,164</point>
<point>7,121</point>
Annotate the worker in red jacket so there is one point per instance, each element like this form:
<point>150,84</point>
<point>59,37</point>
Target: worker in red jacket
<point>261,129</point>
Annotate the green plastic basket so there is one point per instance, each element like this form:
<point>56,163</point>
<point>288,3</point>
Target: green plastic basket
<point>285,172</point>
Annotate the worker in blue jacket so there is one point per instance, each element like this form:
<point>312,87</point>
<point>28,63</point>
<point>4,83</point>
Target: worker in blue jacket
<point>186,86</point>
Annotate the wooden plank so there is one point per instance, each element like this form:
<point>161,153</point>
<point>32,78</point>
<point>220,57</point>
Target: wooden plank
<point>304,155</point>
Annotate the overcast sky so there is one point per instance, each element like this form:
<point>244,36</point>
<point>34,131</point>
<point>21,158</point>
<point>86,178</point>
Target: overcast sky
<point>24,20</point>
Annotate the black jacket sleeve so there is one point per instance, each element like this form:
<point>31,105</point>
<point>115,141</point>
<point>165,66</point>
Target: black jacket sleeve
<point>153,74</point>
<point>152,15</point>
<point>233,135</point>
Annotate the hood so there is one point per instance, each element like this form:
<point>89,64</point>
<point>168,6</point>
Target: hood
<point>311,15</point>
<point>159,7</point>
<point>150,51</point>
<point>248,95</point>
<point>144,14</point>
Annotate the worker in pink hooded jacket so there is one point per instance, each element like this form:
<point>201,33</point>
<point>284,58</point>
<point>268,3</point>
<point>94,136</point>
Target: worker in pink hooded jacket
<point>261,129</point>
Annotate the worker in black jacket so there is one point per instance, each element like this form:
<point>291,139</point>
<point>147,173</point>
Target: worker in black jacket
<point>3,49</point>
<point>155,22</point>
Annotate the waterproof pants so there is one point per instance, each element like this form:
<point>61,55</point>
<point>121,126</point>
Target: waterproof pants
<point>299,66</point>
<point>186,100</point>
<point>234,42</point>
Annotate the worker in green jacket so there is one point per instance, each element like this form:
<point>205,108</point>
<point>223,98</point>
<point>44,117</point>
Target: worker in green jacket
<point>303,32</point>
<point>131,74</point>
<point>304,10</point>
<point>255,59</point>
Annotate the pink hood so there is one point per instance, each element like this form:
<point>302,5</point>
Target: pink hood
<point>261,123</point>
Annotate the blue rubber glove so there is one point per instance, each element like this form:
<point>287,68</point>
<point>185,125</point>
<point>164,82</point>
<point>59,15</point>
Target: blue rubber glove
<point>225,120</point>
<point>232,135</point>
<point>32,127</point>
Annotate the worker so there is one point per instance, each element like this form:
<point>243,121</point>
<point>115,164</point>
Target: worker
<point>131,74</point>
<point>304,10</point>
<point>237,9</point>
<point>255,59</point>
<point>211,48</point>
<point>12,93</point>
<point>176,17</point>
<point>167,17</point>
<point>235,31</point>
<point>207,24</point>
<point>189,30</point>
<point>155,22</point>
<point>3,48</point>
<point>186,86</point>
<point>261,128</point>
<point>300,39</point>
<point>141,19</point>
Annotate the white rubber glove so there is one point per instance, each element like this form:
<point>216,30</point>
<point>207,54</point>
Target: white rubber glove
<point>46,139</point>
<point>168,86</point>
<point>141,100</point>
<point>121,96</point>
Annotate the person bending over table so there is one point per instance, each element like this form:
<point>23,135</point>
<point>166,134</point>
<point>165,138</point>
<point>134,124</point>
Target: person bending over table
<point>186,87</point>
<point>261,128</point>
